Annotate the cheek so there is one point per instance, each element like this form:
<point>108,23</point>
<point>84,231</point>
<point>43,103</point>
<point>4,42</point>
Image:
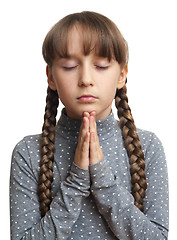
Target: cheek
<point>109,86</point>
<point>66,92</point>
<point>64,85</point>
<point>110,94</point>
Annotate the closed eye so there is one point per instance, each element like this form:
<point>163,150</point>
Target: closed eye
<point>69,68</point>
<point>102,67</point>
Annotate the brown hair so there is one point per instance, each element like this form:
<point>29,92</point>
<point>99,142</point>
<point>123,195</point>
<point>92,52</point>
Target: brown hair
<point>103,37</point>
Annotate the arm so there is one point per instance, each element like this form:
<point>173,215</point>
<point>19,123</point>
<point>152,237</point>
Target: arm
<point>116,204</point>
<point>26,222</point>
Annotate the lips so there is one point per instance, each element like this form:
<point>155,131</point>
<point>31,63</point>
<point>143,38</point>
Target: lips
<point>87,98</point>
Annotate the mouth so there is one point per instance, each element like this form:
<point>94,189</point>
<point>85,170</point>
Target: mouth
<point>87,98</point>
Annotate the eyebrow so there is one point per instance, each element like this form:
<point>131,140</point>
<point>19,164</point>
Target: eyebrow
<point>75,56</point>
<point>68,57</point>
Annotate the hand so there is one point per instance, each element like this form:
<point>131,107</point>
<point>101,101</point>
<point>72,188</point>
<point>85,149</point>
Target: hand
<point>88,151</point>
<point>82,151</point>
<point>96,154</point>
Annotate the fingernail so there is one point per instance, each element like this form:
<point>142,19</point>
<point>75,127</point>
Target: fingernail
<point>92,118</point>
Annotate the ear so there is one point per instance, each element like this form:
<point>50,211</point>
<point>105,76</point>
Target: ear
<point>122,77</point>
<point>51,82</point>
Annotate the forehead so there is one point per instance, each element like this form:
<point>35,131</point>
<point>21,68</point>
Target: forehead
<point>75,41</point>
<point>84,40</point>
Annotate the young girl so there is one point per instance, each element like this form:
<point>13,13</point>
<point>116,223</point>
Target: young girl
<point>89,176</point>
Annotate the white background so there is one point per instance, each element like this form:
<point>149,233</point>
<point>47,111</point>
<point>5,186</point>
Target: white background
<point>150,29</point>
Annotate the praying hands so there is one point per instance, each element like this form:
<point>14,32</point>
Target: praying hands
<point>88,151</point>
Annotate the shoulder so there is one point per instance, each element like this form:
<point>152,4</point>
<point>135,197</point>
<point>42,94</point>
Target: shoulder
<point>26,153</point>
<point>148,139</point>
<point>28,142</point>
<point>152,147</point>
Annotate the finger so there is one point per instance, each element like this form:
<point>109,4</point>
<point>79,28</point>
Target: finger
<point>84,128</point>
<point>92,124</point>
<point>93,149</point>
<point>85,152</point>
<point>85,147</point>
<point>96,154</point>
<point>86,114</point>
<point>93,114</point>
<point>81,158</point>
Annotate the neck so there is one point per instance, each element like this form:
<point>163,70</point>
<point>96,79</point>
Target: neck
<point>69,128</point>
<point>102,115</point>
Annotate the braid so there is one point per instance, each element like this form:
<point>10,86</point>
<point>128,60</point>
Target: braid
<point>47,153</point>
<point>133,147</point>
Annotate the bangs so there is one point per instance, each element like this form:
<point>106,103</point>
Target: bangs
<point>99,35</point>
<point>92,42</point>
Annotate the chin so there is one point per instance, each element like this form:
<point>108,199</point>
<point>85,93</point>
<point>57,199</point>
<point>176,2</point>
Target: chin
<point>78,114</point>
<point>88,109</point>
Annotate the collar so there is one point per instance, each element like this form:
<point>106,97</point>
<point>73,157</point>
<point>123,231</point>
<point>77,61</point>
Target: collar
<point>69,128</point>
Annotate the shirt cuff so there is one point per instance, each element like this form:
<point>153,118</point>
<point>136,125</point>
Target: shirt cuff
<point>101,174</point>
<point>80,172</point>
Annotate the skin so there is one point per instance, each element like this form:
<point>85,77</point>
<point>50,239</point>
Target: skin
<point>86,75</point>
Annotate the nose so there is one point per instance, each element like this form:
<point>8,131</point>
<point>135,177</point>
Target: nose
<point>85,76</point>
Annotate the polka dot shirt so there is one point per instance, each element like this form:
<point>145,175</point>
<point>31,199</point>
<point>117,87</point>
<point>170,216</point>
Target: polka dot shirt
<point>89,204</point>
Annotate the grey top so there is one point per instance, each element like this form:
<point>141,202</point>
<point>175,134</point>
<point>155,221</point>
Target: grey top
<point>94,203</point>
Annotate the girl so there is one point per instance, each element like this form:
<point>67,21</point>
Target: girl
<point>88,176</point>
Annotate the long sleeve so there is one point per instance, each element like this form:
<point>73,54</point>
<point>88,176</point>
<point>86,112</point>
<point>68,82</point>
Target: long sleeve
<point>26,222</point>
<point>116,204</point>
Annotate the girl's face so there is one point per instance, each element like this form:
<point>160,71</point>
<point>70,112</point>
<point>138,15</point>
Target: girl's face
<point>85,83</point>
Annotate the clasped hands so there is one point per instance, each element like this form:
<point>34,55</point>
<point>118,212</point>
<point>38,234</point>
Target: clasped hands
<point>88,151</point>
